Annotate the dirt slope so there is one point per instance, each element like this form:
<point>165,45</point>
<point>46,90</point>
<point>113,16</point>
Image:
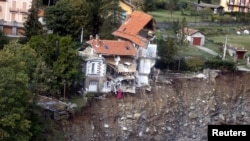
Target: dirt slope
<point>179,110</point>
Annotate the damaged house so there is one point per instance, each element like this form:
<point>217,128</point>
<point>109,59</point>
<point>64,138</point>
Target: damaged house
<point>139,29</point>
<point>125,63</point>
<point>110,64</point>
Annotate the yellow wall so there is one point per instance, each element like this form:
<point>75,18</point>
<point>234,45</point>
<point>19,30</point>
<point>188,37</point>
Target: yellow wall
<point>125,7</point>
<point>236,7</point>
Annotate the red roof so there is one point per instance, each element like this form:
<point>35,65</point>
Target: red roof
<point>190,31</point>
<point>132,25</point>
<point>112,47</point>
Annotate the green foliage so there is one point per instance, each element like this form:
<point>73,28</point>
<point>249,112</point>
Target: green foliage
<point>58,63</point>
<point>167,49</point>
<point>15,96</point>
<point>172,6</point>
<point>205,13</point>
<point>3,40</point>
<point>111,21</point>
<point>66,67</point>
<point>149,5</point>
<point>194,63</point>
<point>68,17</point>
<point>220,64</point>
<point>58,17</point>
<point>32,26</point>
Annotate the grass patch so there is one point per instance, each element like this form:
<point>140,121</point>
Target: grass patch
<point>194,51</point>
<point>240,41</point>
<point>162,15</point>
<point>78,100</point>
<point>214,47</point>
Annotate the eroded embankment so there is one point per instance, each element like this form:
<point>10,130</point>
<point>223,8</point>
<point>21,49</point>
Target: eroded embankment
<point>176,111</point>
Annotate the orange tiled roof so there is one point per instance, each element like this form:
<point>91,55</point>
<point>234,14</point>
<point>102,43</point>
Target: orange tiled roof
<point>40,13</point>
<point>190,31</point>
<point>131,27</point>
<point>112,47</point>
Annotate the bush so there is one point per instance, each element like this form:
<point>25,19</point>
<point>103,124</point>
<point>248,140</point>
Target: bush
<point>220,64</point>
<point>194,63</point>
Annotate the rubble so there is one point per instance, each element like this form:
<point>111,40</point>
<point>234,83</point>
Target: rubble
<point>180,111</point>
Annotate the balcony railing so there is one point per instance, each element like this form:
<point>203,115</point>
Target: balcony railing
<point>14,9</point>
<point>23,10</point>
<point>13,23</point>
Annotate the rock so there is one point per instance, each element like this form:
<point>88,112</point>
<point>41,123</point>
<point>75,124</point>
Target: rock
<point>130,117</point>
<point>211,104</point>
<point>192,107</point>
<point>124,128</point>
<point>147,129</point>
<point>193,136</point>
<point>137,115</point>
<point>140,134</point>
<point>169,128</point>
<point>192,115</point>
<point>122,118</point>
<point>221,117</point>
<point>106,125</point>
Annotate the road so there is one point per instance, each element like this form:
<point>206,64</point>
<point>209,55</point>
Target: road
<point>208,50</point>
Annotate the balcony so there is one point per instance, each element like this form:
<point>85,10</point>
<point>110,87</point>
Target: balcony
<point>14,9</point>
<point>23,11</point>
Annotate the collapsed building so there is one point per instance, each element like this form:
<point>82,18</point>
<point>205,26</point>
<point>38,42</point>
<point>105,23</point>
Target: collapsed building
<point>122,64</point>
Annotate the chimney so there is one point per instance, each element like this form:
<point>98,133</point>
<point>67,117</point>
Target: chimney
<point>97,37</point>
<point>97,40</point>
<point>91,37</point>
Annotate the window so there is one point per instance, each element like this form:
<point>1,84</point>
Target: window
<point>241,9</point>
<point>93,68</point>
<point>14,30</point>
<point>242,2</point>
<point>230,8</point>
<point>24,17</point>
<point>232,2</point>
<point>13,16</point>
<point>14,4</point>
<point>24,5</point>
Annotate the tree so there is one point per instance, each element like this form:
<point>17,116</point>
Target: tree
<point>171,6</point>
<point>32,26</point>
<point>20,117</point>
<point>167,49</point>
<point>69,17</point>
<point>112,21</point>
<point>15,96</point>
<point>59,62</point>
<point>67,65</point>
<point>183,26</point>
<point>3,40</point>
<point>139,4</point>
<point>58,17</point>
<point>149,5</point>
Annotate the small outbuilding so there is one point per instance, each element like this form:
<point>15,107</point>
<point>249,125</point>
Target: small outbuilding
<point>194,37</point>
<point>237,52</point>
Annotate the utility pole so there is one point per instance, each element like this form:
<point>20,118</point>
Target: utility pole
<point>82,35</point>
<point>225,48</point>
<point>64,90</point>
